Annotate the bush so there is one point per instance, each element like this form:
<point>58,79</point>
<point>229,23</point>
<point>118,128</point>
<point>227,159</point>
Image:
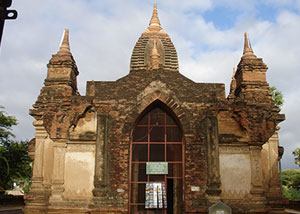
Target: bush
<point>291,184</point>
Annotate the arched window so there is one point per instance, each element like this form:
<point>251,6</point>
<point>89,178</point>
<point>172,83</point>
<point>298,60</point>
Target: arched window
<point>157,137</point>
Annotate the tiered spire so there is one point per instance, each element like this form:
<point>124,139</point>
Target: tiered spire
<point>65,46</point>
<point>248,52</point>
<point>250,78</point>
<point>62,67</point>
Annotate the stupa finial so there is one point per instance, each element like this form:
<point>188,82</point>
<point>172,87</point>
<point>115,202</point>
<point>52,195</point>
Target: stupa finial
<point>154,22</point>
<point>65,46</point>
<point>248,52</point>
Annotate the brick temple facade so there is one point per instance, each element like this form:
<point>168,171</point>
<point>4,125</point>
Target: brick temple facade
<point>92,152</point>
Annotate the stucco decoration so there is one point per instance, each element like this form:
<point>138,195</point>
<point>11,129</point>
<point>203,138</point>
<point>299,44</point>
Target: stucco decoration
<point>84,127</point>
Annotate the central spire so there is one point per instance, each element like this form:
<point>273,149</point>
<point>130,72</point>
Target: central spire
<point>154,24</point>
<point>154,49</point>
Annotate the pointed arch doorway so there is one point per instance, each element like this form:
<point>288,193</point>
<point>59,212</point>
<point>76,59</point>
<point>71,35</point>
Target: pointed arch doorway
<point>157,137</point>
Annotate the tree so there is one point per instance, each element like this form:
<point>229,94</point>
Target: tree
<point>6,122</point>
<point>276,96</point>
<point>296,153</point>
<point>15,164</point>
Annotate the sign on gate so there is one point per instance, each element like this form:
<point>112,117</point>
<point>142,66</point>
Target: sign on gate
<point>156,168</point>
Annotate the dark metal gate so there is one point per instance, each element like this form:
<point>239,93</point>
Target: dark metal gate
<point>157,137</point>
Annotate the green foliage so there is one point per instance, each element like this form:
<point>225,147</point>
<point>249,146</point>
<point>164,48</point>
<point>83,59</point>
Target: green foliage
<point>291,178</point>
<point>291,184</point>
<point>277,96</point>
<point>26,185</point>
<point>296,153</point>
<point>291,193</point>
<point>15,164</point>
<point>6,122</point>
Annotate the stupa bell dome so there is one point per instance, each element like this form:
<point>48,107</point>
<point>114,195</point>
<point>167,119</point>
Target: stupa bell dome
<point>154,49</point>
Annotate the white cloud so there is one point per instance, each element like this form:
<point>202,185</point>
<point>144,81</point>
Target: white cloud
<point>236,4</point>
<point>178,5</point>
<point>289,132</point>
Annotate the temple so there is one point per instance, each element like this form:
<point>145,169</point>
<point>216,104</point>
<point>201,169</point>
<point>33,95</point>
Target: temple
<point>154,141</point>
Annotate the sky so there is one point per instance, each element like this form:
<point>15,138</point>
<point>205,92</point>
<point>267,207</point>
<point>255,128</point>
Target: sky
<point>207,34</point>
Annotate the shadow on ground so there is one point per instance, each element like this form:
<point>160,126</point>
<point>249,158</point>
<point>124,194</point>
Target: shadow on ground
<point>10,204</point>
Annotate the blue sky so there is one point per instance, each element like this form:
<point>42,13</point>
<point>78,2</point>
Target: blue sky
<point>207,34</point>
<point>224,17</point>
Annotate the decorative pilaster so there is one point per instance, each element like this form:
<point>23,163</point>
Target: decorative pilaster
<point>213,163</point>
<point>102,191</point>
<point>37,199</point>
<point>40,136</point>
<point>58,172</point>
<point>257,190</point>
<point>256,172</point>
<point>274,191</point>
<point>101,180</point>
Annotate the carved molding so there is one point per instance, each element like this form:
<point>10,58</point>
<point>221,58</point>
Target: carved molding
<point>235,194</point>
<point>81,147</point>
<point>157,90</point>
<point>75,193</point>
<point>153,87</point>
<point>233,150</point>
<point>40,131</point>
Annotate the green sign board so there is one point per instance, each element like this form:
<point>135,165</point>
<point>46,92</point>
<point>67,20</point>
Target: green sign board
<point>156,168</point>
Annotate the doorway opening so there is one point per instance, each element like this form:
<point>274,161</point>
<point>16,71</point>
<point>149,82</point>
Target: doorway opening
<point>157,137</point>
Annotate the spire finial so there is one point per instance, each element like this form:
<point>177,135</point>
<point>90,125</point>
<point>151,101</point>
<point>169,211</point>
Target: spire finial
<point>65,46</point>
<point>232,85</point>
<point>234,71</point>
<point>248,52</point>
<point>154,22</point>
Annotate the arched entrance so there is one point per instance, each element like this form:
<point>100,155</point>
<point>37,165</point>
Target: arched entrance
<point>157,139</point>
